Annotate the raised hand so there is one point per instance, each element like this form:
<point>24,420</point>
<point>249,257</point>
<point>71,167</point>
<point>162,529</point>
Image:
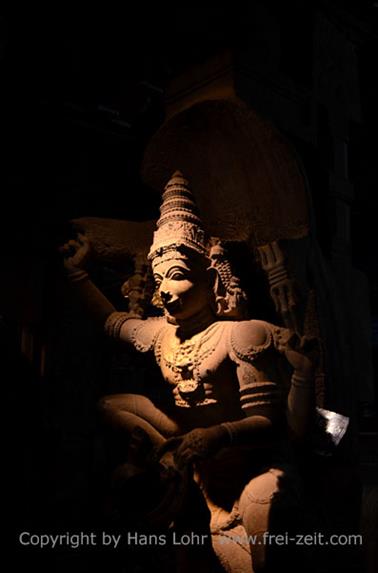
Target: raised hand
<point>301,352</point>
<point>198,444</point>
<point>76,253</point>
<point>283,289</point>
<point>285,298</point>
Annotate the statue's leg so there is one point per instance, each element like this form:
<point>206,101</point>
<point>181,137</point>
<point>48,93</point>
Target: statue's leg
<point>269,506</point>
<point>125,412</point>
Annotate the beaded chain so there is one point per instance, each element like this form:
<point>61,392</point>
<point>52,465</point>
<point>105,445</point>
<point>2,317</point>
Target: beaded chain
<point>184,361</point>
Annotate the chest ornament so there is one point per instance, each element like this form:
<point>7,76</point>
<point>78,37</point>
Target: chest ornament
<point>184,361</point>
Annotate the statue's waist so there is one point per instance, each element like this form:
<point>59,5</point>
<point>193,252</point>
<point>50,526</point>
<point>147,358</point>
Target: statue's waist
<point>192,393</point>
<point>183,403</point>
<point>205,415</point>
<point>225,475</point>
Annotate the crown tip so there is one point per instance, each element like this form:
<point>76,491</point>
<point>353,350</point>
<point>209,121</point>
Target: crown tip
<point>178,178</point>
<point>177,173</point>
<point>179,224</point>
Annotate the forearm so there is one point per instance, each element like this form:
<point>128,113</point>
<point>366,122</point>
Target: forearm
<point>93,301</point>
<point>254,430</point>
<point>300,404</point>
<point>203,443</point>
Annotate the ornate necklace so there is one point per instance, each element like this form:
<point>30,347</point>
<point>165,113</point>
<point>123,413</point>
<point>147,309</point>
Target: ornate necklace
<point>184,361</point>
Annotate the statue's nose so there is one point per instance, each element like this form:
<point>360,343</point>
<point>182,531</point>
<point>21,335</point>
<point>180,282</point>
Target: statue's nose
<point>165,295</point>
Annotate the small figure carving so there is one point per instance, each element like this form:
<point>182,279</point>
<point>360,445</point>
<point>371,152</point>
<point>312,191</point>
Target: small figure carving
<point>239,387</point>
<point>282,288</point>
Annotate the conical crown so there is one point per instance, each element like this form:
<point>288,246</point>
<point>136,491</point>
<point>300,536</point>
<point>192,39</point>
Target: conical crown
<point>179,224</point>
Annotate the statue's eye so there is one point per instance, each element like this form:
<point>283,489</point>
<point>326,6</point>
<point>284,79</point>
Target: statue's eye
<point>177,276</point>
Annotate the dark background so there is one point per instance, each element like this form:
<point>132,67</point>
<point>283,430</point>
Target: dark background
<point>82,93</point>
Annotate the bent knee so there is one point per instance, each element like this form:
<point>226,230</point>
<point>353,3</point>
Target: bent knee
<point>132,403</point>
<point>256,502</point>
<point>115,402</point>
<point>261,489</point>
<point>272,500</point>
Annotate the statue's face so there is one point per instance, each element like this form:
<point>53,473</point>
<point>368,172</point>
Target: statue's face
<point>183,287</point>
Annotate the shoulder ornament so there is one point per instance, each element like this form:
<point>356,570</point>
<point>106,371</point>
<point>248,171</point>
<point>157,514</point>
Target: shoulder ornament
<point>145,334</point>
<point>115,321</point>
<point>249,339</point>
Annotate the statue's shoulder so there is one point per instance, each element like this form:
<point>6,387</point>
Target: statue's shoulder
<point>250,338</point>
<point>146,333</point>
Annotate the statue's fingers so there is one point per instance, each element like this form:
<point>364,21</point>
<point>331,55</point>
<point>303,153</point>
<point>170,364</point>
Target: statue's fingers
<point>283,335</point>
<point>292,311</point>
<point>281,347</point>
<point>278,255</point>
<point>274,292</point>
<point>292,299</point>
<point>82,237</point>
<point>309,344</point>
<point>170,445</point>
<point>283,301</point>
<point>304,342</point>
<point>70,252</point>
<point>288,319</point>
<point>263,255</point>
<point>182,450</point>
<point>83,240</point>
<point>64,249</point>
<point>185,457</point>
<point>72,243</point>
<point>296,323</point>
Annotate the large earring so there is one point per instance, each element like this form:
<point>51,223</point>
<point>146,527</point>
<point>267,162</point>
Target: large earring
<point>213,289</point>
<point>229,297</point>
<point>156,300</point>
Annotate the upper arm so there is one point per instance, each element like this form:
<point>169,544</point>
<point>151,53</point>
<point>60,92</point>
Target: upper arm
<point>129,329</point>
<point>139,333</point>
<point>259,394</point>
<point>142,334</point>
<point>252,350</point>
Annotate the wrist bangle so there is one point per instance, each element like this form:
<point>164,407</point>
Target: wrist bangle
<point>301,381</point>
<point>229,429</point>
<point>114,322</point>
<point>77,275</point>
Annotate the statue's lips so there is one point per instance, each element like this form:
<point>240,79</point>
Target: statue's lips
<point>173,306</point>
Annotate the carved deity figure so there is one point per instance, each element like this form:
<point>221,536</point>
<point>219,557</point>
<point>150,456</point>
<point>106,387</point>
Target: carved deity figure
<point>241,389</point>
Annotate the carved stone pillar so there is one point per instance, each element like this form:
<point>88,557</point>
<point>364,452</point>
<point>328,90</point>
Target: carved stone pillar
<point>336,87</point>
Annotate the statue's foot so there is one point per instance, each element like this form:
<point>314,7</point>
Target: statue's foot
<point>140,448</point>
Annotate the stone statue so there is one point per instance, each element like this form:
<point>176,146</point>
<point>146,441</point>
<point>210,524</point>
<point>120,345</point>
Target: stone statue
<point>242,390</point>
